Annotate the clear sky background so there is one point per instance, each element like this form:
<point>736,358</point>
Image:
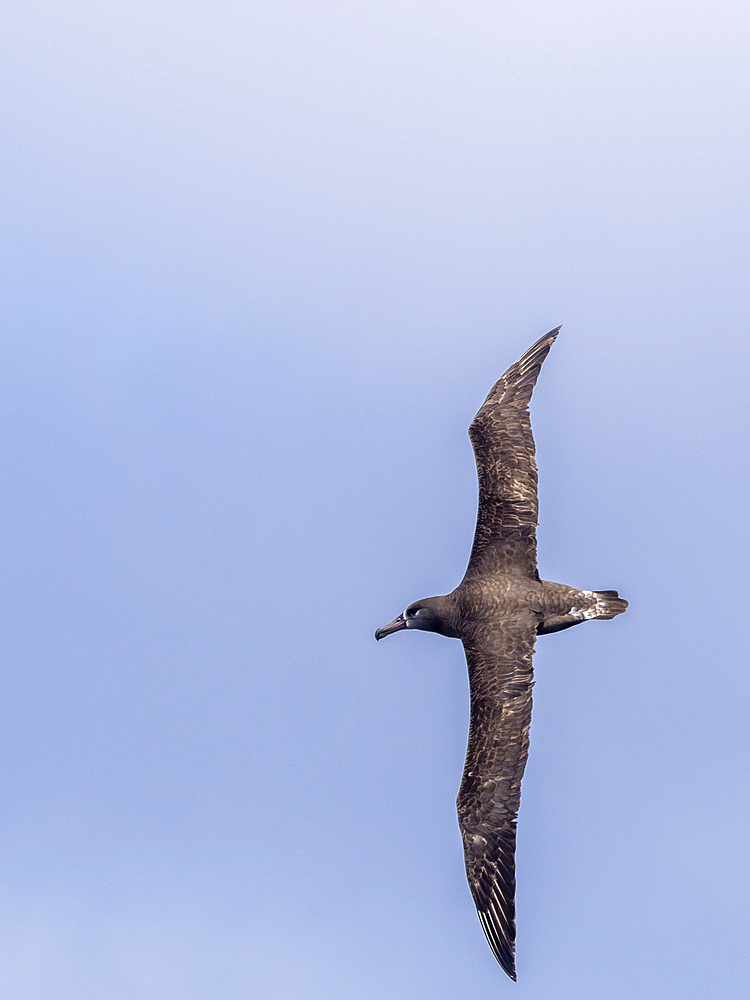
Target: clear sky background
<point>261,264</point>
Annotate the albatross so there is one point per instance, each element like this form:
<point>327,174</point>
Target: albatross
<point>497,611</point>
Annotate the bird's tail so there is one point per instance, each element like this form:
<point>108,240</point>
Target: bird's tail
<point>607,604</point>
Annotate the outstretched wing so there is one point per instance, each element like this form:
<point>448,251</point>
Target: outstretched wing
<point>505,537</point>
<point>501,678</point>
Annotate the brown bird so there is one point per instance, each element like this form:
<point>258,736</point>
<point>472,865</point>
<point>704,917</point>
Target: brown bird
<point>497,611</point>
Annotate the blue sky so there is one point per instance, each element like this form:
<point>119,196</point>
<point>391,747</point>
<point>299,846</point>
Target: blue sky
<point>261,265</point>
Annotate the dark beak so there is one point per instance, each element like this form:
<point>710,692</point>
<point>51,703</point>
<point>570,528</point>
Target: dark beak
<point>395,626</point>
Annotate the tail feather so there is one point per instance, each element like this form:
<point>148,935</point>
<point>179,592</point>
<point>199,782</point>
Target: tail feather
<point>606,604</point>
<point>586,604</point>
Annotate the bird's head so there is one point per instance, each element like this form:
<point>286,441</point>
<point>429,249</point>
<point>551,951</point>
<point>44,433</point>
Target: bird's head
<point>428,615</point>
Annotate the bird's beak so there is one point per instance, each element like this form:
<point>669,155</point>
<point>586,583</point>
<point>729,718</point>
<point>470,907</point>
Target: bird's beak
<point>395,626</point>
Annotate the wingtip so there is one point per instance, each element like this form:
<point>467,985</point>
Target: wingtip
<point>544,343</point>
<point>534,356</point>
<point>503,947</point>
<point>551,337</point>
<point>517,384</point>
<point>509,967</point>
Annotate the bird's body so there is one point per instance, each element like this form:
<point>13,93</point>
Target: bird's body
<point>497,611</point>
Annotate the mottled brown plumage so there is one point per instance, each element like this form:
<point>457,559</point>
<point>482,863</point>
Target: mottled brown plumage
<point>497,611</point>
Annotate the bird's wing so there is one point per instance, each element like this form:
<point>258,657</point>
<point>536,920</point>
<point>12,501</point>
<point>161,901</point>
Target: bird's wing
<point>501,677</point>
<point>505,537</point>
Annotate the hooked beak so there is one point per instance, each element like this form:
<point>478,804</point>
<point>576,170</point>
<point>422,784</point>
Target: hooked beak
<point>395,626</point>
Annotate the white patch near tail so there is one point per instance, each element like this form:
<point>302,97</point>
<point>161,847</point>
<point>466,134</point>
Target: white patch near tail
<point>606,604</point>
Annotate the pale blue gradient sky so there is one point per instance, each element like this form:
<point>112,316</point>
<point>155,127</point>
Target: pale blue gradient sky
<point>261,265</point>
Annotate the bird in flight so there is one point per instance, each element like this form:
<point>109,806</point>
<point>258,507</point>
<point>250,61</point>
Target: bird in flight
<point>497,611</point>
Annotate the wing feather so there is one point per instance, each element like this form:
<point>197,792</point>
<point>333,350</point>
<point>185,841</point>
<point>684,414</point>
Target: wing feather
<point>499,658</point>
<point>505,536</point>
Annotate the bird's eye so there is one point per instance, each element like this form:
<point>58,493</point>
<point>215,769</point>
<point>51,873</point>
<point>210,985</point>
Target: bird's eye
<point>415,612</point>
